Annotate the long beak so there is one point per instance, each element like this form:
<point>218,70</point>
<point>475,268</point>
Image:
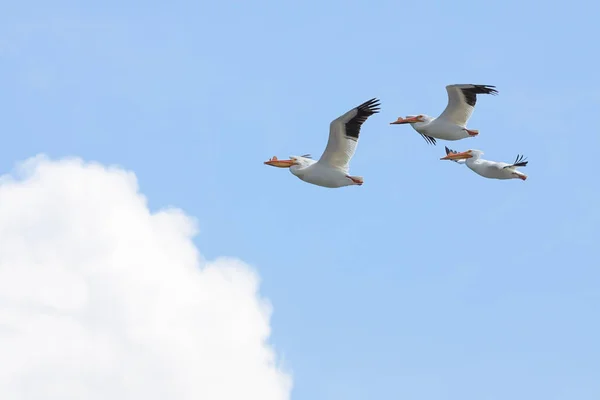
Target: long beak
<point>408,120</point>
<point>274,162</point>
<point>457,156</point>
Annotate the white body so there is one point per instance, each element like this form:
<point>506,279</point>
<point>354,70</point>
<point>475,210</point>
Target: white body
<point>440,128</point>
<point>493,169</point>
<point>320,174</point>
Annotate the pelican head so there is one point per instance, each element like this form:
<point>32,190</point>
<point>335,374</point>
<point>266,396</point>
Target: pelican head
<point>300,161</point>
<point>463,155</point>
<point>412,119</point>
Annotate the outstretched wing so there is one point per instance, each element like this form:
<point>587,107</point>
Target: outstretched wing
<point>450,151</point>
<point>343,135</point>
<point>461,101</point>
<point>519,162</point>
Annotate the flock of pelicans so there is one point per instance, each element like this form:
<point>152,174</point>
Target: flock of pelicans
<point>332,169</point>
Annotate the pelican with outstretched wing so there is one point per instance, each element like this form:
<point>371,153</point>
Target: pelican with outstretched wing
<point>332,170</point>
<point>452,123</point>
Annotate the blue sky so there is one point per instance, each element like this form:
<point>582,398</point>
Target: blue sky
<point>428,282</point>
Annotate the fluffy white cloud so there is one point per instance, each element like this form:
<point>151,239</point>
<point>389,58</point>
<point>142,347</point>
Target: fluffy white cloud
<point>102,299</point>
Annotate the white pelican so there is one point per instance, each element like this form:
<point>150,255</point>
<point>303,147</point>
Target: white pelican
<point>332,169</point>
<point>452,123</point>
<point>485,168</point>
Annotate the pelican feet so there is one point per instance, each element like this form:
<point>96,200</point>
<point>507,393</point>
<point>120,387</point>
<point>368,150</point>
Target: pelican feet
<point>520,176</point>
<point>472,132</point>
<point>356,179</point>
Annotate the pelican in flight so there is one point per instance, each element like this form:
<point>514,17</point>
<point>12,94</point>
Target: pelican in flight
<point>332,169</point>
<point>452,123</point>
<point>485,168</point>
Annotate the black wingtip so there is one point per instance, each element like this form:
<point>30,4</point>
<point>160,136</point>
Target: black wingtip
<point>363,111</point>
<point>450,151</point>
<point>370,107</point>
<point>429,139</point>
<point>520,161</point>
<point>486,89</point>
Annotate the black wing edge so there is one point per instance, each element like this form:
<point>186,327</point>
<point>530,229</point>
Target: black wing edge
<point>363,111</point>
<point>450,151</point>
<point>428,139</point>
<point>369,107</point>
<point>471,93</point>
<point>482,89</point>
<point>520,161</point>
<point>306,156</point>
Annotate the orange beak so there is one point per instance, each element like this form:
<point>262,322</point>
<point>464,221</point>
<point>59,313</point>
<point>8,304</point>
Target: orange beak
<point>407,120</point>
<point>457,156</point>
<point>274,162</point>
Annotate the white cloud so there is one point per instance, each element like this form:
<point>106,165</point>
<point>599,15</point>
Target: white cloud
<point>102,299</point>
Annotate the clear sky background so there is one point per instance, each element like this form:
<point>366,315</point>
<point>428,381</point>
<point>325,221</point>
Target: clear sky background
<point>429,281</point>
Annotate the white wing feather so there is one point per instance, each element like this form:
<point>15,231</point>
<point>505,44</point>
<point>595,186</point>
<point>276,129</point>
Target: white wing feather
<point>461,101</point>
<point>343,135</point>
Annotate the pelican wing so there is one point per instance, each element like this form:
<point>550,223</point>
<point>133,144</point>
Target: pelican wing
<point>519,162</point>
<point>461,101</point>
<point>428,139</point>
<point>343,135</point>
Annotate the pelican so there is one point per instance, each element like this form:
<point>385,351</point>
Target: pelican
<point>332,169</point>
<point>485,168</point>
<point>452,123</point>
